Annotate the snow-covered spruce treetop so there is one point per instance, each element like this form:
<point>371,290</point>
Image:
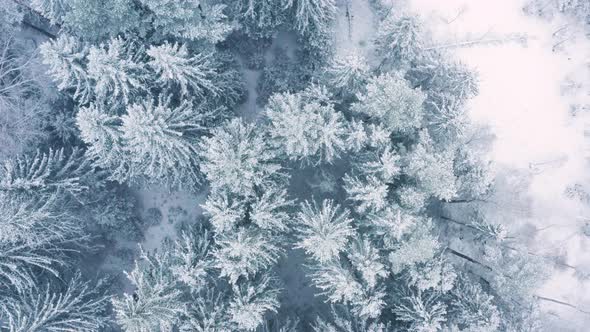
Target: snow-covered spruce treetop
<point>305,126</point>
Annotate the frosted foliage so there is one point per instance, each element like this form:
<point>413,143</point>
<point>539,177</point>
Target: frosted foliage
<point>270,211</point>
<point>347,74</point>
<point>244,253</point>
<point>207,313</point>
<point>476,309</point>
<point>412,198</point>
<point>79,307</point>
<point>433,170</point>
<point>55,170</point>
<point>161,140</point>
<point>522,273</point>
<point>400,39</point>
<point>337,283</point>
<point>384,165</point>
<point>443,78</point>
<point>191,253</point>
<point>420,247</point>
<point>104,137</point>
<point>115,70</point>
<point>365,259</point>
<point>370,194</point>
<point>391,223</point>
<point>156,304</point>
<point>191,19</point>
<point>16,260</point>
<point>95,20</point>
<point>251,302</point>
<point>369,306</point>
<point>224,210</point>
<point>313,14</point>
<point>345,322</point>
<point>238,159</point>
<point>379,136</point>
<point>306,130</point>
<point>423,312</point>
<point>20,216</point>
<point>66,59</point>
<point>357,138</point>
<point>475,176</point>
<point>390,100</point>
<point>176,67</point>
<point>435,274</point>
<point>33,230</point>
<point>323,232</point>
<point>54,10</point>
<point>260,17</point>
<point>447,121</point>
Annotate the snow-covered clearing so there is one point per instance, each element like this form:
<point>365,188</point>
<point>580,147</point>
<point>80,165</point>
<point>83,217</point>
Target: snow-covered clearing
<point>177,207</point>
<point>355,26</point>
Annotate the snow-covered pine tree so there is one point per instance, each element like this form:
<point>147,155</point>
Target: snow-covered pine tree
<point>313,14</point>
<point>432,169</point>
<point>347,74</point>
<point>475,174</point>
<point>243,253</point>
<point>77,307</point>
<point>270,211</point>
<point>439,74</point>
<point>343,320</point>
<point>224,210</point>
<point>421,311</point>
<point>66,57</point>
<point>55,170</point>
<point>370,193</point>
<point>202,19</point>
<point>96,20</point>
<point>160,140</point>
<point>323,231</point>
<point>156,302</point>
<point>102,133</point>
<point>207,311</point>
<point>340,284</point>
<point>399,40</point>
<point>117,69</point>
<point>305,126</point>
<point>175,67</point>
<point>474,309</point>
<point>389,99</point>
<point>191,260</point>
<point>251,302</point>
<point>238,159</point>
<point>259,18</point>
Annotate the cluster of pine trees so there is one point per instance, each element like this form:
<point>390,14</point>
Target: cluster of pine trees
<point>355,161</point>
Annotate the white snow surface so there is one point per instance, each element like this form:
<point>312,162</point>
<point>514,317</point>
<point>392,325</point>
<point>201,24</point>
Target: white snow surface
<point>176,207</point>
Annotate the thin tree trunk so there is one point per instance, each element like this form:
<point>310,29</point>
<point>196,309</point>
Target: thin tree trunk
<point>562,303</point>
<point>474,261</point>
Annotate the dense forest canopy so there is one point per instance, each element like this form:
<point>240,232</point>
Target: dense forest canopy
<point>332,187</point>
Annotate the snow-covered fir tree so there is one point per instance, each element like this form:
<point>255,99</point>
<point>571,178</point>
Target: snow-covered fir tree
<point>189,19</point>
<point>78,306</point>
<point>306,126</point>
